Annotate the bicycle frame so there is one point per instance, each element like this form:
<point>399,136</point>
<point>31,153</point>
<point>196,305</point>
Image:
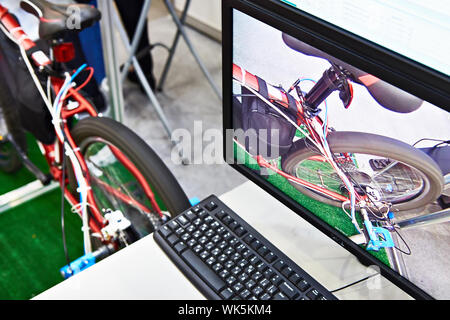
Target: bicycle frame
<point>279,97</point>
<point>54,153</point>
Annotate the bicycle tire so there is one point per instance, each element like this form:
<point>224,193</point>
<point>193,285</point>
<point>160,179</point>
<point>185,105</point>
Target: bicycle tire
<point>10,161</point>
<point>371,144</point>
<point>159,177</point>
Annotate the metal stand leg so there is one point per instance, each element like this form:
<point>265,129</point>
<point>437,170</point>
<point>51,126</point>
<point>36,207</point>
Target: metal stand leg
<point>181,32</point>
<point>140,73</point>
<point>425,220</point>
<point>111,60</point>
<point>24,194</point>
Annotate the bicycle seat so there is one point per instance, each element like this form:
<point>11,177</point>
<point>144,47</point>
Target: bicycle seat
<point>57,19</point>
<point>387,95</point>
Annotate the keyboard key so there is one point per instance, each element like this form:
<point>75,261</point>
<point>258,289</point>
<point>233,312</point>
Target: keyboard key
<point>233,225</point>
<point>257,276</point>
<point>165,231</point>
<point>229,264</point>
<point>264,283</point>
<point>190,215</point>
<point>256,244</point>
<point>227,293</point>
<point>182,220</point>
<point>268,273</point>
<point>313,294</point>
<point>276,280</point>
<point>230,280</point>
<point>172,239</point>
<point>257,291</point>
<point>249,238</point>
<point>180,247</point>
<point>287,272</point>
<point>185,237</point>
<point>203,270</point>
<point>272,289</point>
<point>240,231</point>
<point>215,252</point>
<point>173,225</point>
<point>224,273</point>
<point>245,294</point>
<point>280,296</point>
<point>263,251</point>
<point>238,287</point>
<point>221,214</point>
<point>250,284</point>
<point>227,219</point>
<point>280,265</point>
<point>236,271</point>
<point>204,255</point>
<point>264,297</point>
<point>210,261</point>
<point>217,267</point>
<point>242,263</point>
<point>270,257</point>
<point>255,260</point>
<point>295,278</point>
<point>288,290</point>
<point>261,266</point>
<point>211,205</point>
<point>303,285</point>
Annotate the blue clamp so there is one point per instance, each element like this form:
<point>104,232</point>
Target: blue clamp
<point>379,237</point>
<point>194,201</point>
<point>78,265</point>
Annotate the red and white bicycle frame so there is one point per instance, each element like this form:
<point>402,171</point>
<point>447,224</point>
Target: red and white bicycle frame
<point>54,153</point>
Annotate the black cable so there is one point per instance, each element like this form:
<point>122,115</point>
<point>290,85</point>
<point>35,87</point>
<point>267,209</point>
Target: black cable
<point>406,244</point>
<point>354,283</point>
<point>429,139</point>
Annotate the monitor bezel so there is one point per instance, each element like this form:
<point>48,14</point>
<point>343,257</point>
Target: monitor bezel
<point>400,71</point>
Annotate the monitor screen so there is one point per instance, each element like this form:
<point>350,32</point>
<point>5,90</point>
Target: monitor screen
<point>409,27</point>
<point>366,159</point>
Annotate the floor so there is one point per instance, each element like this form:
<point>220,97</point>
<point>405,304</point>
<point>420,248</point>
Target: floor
<point>190,104</point>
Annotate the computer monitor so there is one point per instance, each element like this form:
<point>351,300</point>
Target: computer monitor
<point>348,133</point>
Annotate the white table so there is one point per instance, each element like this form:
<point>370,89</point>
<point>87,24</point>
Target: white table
<point>143,271</point>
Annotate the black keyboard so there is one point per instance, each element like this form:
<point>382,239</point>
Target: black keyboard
<point>225,258</point>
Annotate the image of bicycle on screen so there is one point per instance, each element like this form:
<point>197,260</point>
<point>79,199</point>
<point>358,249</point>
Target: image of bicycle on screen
<point>372,178</point>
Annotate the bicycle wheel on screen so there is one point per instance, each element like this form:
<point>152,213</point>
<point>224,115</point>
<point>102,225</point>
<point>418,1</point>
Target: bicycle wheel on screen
<point>401,175</point>
<point>103,143</point>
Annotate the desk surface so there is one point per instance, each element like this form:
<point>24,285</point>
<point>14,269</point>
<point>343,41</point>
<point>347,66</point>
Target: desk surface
<point>143,271</point>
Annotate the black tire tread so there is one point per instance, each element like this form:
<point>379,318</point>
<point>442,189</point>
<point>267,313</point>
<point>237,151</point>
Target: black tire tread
<point>361,142</point>
<point>142,156</point>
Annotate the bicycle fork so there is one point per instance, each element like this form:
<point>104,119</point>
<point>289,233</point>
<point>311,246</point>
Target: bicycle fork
<point>45,179</point>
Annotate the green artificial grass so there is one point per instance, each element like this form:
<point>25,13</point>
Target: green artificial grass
<point>333,216</point>
<point>31,249</point>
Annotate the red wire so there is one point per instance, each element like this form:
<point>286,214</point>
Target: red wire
<point>91,74</point>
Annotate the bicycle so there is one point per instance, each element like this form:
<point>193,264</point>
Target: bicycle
<point>111,178</point>
<point>371,177</point>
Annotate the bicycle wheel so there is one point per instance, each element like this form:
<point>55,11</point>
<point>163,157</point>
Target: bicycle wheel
<point>114,186</point>
<point>10,128</point>
<point>401,175</point>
